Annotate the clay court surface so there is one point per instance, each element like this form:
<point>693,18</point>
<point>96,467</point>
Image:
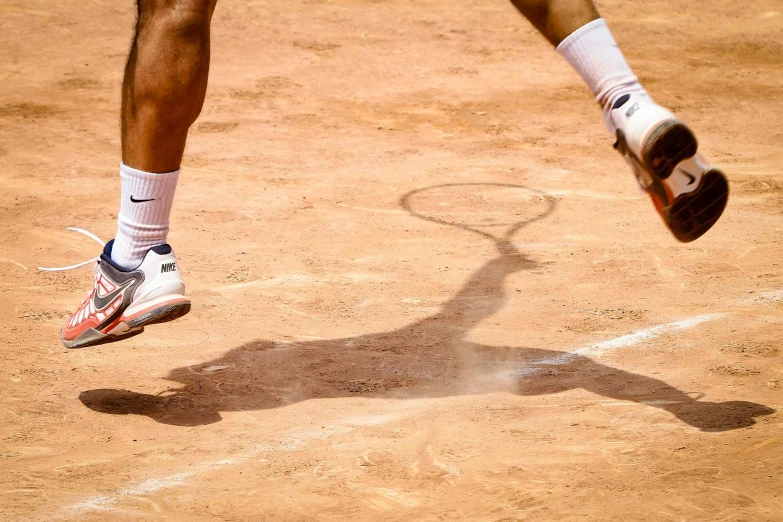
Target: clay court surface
<point>359,346</point>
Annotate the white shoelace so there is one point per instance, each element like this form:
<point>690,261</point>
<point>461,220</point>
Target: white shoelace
<point>78,265</point>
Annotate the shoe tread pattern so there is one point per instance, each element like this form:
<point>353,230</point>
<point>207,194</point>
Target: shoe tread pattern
<point>667,146</point>
<point>694,213</point>
<point>164,314</point>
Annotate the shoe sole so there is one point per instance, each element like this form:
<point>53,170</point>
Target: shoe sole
<point>133,326</point>
<point>692,214</point>
<point>161,314</point>
<point>667,146</point>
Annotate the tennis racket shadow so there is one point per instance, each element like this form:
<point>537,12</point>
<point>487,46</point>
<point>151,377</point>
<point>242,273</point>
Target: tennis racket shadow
<point>532,205</point>
<point>425,359</point>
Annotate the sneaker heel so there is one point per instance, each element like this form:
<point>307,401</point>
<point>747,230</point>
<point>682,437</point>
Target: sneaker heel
<point>669,144</point>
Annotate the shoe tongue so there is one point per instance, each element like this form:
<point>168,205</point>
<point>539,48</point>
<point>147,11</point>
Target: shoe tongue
<point>107,248</point>
<point>106,257</point>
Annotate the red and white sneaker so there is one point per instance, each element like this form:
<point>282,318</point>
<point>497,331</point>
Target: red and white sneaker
<point>122,302</point>
<point>687,192</point>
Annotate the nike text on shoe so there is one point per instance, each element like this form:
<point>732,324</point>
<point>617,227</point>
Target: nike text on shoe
<point>688,193</point>
<point>122,302</point>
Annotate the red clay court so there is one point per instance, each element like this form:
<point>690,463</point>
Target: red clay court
<point>359,348</point>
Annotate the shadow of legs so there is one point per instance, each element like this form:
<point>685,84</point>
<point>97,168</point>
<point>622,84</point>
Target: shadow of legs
<point>626,386</point>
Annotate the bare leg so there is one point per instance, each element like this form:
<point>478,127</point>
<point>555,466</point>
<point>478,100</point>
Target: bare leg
<point>556,19</point>
<point>165,81</point>
<point>162,95</point>
<point>661,150</point>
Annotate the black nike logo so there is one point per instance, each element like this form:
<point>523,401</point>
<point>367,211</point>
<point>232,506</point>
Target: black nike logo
<point>102,302</point>
<point>140,200</point>
<point>692,178</point>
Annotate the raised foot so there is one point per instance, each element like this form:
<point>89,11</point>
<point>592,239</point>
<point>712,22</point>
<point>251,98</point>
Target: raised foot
<point>668,145</point>
<point>694,213</point>
<point>126,327</point>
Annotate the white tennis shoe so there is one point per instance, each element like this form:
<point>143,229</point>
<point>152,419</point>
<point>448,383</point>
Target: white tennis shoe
<point>687,192</point>
<point>122,302</point>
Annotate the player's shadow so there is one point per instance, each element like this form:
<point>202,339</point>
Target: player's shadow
<point>429,358</point>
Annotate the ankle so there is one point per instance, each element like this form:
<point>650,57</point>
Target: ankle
<point>593,53</point>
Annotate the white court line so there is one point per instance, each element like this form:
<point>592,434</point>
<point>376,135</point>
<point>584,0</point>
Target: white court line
<point>17,263</point>
<point>294,441</point>
<point>144,488</point>
<point>598,349</point>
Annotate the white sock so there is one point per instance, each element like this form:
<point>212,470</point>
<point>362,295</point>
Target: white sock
<point>144,214</point>
<point>593,53</point>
